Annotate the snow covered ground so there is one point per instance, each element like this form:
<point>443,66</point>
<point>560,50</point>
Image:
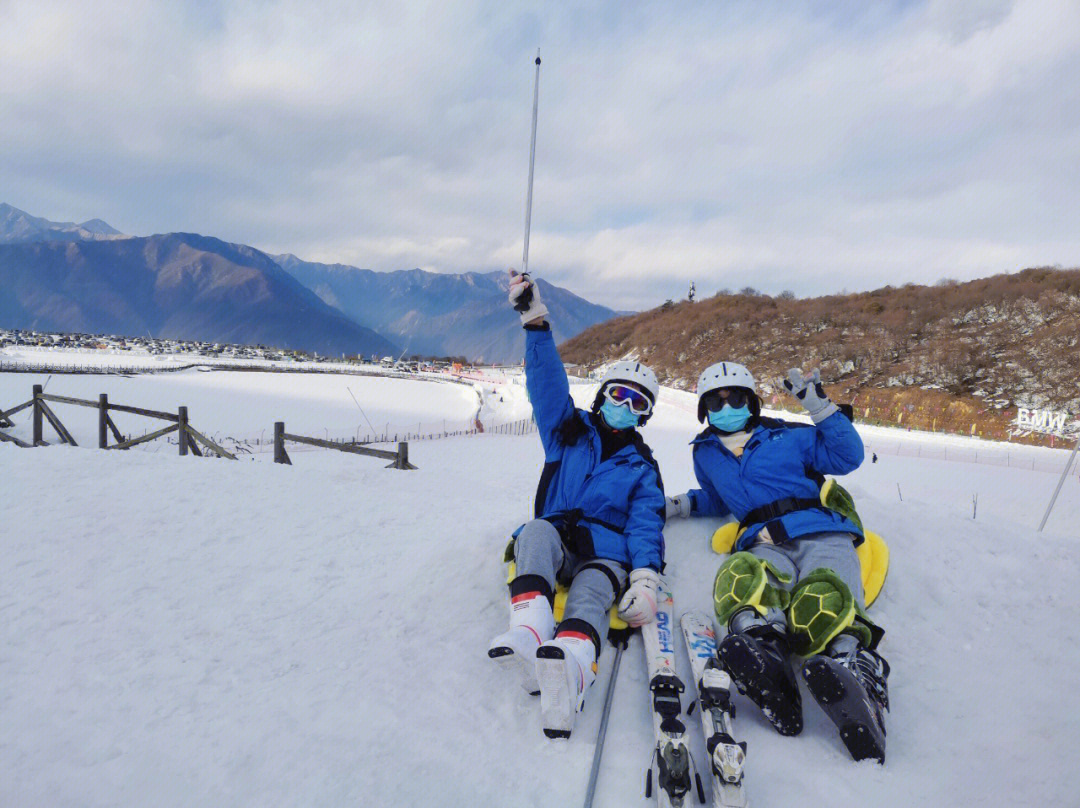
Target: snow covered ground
<point>184,631</point>
<point>243,406</point>
<point>99,360</point>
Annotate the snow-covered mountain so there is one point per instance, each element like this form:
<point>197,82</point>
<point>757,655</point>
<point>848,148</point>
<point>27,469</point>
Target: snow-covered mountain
<point>17,225</point>
<point>439,313</point>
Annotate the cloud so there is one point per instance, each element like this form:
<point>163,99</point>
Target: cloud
<point>773,145</point>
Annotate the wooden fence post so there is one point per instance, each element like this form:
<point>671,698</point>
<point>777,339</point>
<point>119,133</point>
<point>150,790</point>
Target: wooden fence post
<point>37,441</point>
<point>280,456</point>
<point>402,459</point>
<point>182,433</point>
<point>103,421</point>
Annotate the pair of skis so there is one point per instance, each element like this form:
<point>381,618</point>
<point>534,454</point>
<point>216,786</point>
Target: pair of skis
<point>672,766</point>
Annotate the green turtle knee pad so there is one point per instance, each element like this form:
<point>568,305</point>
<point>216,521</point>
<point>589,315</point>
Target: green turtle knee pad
<point>741,581</point>
<point>821,608</point>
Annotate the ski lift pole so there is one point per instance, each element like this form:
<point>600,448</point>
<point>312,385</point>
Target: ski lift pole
<point>526,297</point>
<point>598,752</point>
<point>1064,474</point>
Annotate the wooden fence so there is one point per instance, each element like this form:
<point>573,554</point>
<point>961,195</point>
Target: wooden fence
<point>189,437</point>
<point>8,366</point>
<point>523,426</point>
<point>399,459</point>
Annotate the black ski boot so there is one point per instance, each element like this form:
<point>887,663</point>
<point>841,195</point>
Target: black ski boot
<point>757,659</point>
<point>850,685</point>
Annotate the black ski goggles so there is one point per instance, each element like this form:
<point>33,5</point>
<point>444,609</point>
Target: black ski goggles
<point>736,397</point>
<point>621,394</point>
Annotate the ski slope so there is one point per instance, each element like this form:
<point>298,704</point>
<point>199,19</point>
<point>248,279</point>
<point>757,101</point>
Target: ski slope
<point>185,631</point>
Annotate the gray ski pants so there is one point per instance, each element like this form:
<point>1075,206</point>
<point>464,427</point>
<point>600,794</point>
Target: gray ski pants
<point>539,550</point>
<point>801,556</point>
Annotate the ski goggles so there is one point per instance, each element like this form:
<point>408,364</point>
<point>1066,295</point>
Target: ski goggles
<point>715,400</point>
<point>622,394</point>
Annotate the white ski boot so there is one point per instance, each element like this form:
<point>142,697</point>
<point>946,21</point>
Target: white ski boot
<point>531,623</point>
<point>565,667</point>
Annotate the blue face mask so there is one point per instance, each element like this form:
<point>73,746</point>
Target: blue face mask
<point>618,416</point>
<point>728,419</point>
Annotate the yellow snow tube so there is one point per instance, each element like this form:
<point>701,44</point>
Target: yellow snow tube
<point>723,540</point>
<point>874,563</point>
<point>873,557</point>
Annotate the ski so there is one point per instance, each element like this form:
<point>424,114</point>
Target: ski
<point>671,759</point>
<point>713,686</point>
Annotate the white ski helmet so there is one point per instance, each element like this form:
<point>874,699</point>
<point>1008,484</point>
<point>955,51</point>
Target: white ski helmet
<point>725,374</point>
<point>628,371</point>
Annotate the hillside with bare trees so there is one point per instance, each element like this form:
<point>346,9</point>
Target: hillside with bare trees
<point>959,357</point>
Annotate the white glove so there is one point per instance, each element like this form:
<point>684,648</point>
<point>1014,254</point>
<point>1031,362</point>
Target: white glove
<point>679,505</point>
<point>810,393</point>
<point>638,605</point>
<point>525,297</point>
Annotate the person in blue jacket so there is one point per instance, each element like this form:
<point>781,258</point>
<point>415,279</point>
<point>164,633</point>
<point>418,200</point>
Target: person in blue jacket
<point>598,526</point>
<point>793,584</point>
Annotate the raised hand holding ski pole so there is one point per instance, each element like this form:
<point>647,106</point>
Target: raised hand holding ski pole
<point>524,295</point>
<point>525,298</point>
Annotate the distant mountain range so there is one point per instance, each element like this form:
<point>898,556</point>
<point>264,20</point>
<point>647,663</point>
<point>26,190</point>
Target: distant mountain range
<point>434,313</point>
<point>17,226</point>
<point>91,278</point>
<point>179,286</point>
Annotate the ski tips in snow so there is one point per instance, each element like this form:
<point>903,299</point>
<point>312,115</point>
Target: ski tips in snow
<point>712,684</point>
<point>671,759</point>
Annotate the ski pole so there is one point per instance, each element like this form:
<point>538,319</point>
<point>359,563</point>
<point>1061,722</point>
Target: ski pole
<point>526,296</point>
<point>1064,474</point>
<point>590,792</point>
<point>532,163</point>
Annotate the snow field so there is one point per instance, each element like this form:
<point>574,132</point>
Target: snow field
<point>92,358</point>
<point>229,632</point>
<point>245,405</point>
<point>182,631</point>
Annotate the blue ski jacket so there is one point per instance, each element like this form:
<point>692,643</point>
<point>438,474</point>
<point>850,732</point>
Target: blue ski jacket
<point>612,509</point>
<point>782,461</point>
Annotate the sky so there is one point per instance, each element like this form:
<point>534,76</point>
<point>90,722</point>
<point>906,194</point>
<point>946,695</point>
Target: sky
<point>805,146</point>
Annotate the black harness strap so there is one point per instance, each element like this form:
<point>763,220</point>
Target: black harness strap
<point>576,537</point>
<point>609,525</point>
<point>550,470</point>
<point>781,507</point>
